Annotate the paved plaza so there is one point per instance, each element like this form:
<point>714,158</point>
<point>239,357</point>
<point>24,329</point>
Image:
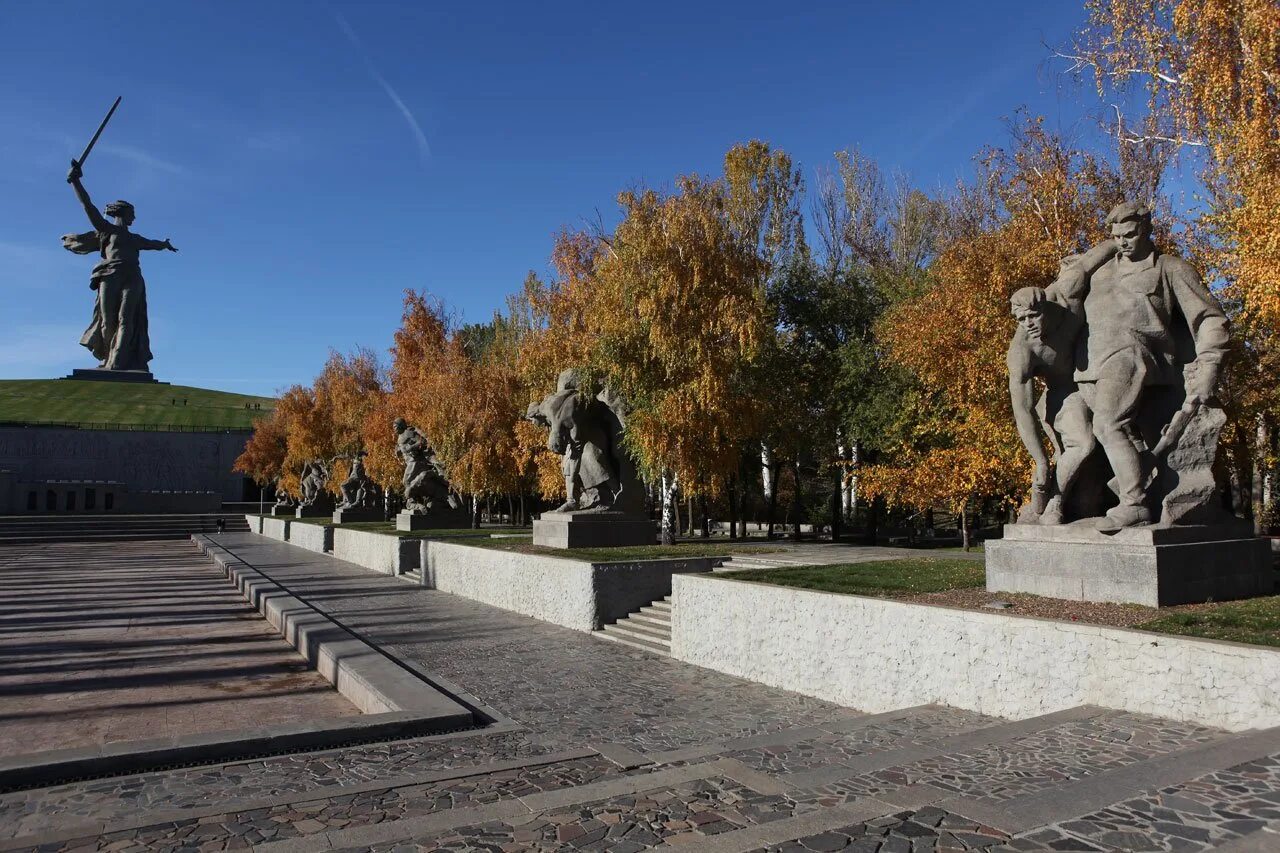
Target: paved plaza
<point>598,747</point>
<point>103,642</point>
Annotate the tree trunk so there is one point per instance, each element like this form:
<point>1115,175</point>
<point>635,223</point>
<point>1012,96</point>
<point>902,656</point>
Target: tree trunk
<point>688,515</point>
<point>670,510</point>
<point>733,507</point>
<point>475,512</point>
<point>873,520</point>
<point>837,505</point>
<point>769,486</point>
<point>1261,446</point>
<point>964,527</point>
<point>705,530</point>
<point>851,479</point>
<point>524,518</point>
<point>797,505</point>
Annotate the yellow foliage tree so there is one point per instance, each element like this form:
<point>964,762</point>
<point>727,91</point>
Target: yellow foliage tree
<point>263,457</point>
<point>462,388</point>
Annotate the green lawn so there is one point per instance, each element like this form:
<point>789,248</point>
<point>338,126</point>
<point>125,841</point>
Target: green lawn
<point>1255,620</point>
<point>882,577</point>
<point>133,404</point>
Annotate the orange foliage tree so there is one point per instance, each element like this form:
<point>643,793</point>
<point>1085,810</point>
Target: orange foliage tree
<point>263,457</point>
<point>462,387</point>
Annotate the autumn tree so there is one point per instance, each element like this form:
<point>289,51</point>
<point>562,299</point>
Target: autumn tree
<point>347,394</point>
<point>462,387</point>
<point>263,457</point>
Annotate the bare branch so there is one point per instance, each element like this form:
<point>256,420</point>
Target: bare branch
<point>1079,63</point>
<point>1139,139</point>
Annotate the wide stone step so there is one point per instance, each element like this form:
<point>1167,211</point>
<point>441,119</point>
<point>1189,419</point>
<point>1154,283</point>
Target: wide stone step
<point>109,536</point>
<point>642,630</point>
<point>613,635</point>
<point>658,622</point>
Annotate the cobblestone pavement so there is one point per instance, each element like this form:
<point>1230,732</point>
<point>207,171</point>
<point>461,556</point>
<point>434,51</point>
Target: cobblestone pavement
<point>1196,815</point>
<point>1024,765</point>
<point>838,748</point>
<point>924,831</point>
<point>606,749</point>
<point>680,814</point>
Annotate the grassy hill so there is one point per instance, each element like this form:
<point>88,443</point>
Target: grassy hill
<point>86,402</point>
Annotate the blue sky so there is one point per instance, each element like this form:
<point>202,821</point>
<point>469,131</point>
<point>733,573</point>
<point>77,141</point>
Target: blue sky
<point>312,160</point>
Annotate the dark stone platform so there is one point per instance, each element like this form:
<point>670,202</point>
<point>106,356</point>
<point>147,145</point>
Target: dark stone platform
<point>358,513</point>
<point>322,508</point>
<point>1153,566</point>
<point>608,529</point>
<point>98,374</point>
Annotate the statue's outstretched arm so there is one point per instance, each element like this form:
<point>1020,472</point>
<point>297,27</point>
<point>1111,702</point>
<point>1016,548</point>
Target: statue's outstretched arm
<point>96,218</point>
<point>155,245</point>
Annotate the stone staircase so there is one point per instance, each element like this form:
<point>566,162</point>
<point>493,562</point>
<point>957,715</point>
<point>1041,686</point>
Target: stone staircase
<point>648,628</point>
<point>38,529</point>
<point>741,562</point>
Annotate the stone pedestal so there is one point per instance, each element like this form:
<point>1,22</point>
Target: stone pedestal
<point>1154,566</point>
<point>357,513</point>
<point>284,510</point>
<point>103,375</point>
<point>592,530</point>
<point>435,519</point>
<point>406,520</point>
<point>319,509</point>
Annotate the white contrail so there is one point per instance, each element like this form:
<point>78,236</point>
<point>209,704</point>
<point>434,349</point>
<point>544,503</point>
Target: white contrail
<point>424,149</point>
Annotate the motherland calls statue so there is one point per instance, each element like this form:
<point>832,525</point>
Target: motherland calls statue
<point>117,335</point>
<point>586,430</point>
<point>424,483</point>
<point>1129,344</point>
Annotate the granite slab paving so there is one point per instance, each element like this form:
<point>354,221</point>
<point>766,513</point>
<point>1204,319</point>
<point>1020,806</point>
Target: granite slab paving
<point>138,640</point>
<point>666,755</point>
<point>1029,763</point>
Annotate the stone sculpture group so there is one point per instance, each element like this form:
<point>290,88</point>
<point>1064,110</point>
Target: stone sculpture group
<point>604,503</point>
<point>423,484</point>
<point>1129,344</point>
<point>586,430</point>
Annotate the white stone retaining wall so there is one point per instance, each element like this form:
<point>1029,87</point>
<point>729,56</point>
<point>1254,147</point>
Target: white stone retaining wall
<point>574,593</point>
<point>254,522</point>
<point>276,528</point>
<point>391,555</point>
<point>879,655</point>
<point>313,537</point>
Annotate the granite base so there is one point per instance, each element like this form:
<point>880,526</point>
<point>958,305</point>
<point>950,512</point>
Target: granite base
<point>319,509</point>
<point>101,374</point>
<point>592,530</point>
<point>357,513</point>
<point>1152,566</point>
